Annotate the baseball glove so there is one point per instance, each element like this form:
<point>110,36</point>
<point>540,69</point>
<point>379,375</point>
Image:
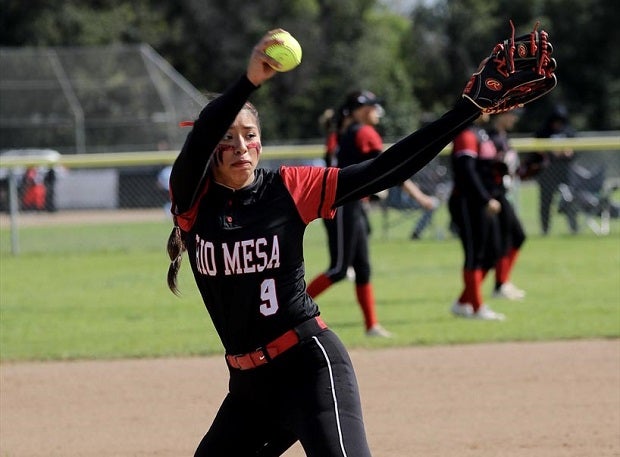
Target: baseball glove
<point>518,71</point>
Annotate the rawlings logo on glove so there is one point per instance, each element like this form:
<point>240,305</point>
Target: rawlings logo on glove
<point>517,72</point>
<point>493,84</point>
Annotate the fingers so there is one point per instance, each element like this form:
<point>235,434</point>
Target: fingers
<point>261,66</point>
<point>267,41</point>
<point>493,207</point>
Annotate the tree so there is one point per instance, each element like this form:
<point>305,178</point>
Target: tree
<point>448,38</point>
<point>418,63</point>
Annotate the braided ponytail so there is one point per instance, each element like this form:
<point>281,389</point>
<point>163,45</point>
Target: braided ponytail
<point>175,252</point>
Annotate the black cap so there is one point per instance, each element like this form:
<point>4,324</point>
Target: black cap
<point>361,98</point>
<point>559,113</point>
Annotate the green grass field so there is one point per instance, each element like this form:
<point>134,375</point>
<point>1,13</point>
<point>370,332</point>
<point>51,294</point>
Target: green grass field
<point>98,291</point>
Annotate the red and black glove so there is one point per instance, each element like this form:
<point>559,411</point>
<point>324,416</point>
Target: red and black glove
<point>518,71</point>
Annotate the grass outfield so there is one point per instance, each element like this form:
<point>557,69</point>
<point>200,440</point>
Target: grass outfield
<point>98,291</point>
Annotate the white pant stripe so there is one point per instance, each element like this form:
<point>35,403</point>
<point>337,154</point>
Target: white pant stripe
<point>331,380</point>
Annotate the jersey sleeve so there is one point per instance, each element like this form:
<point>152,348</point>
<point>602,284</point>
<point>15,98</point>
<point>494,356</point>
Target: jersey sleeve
<point>466,143</point>
<point>331,143</point>
<point>185,220</point>
<point>368,140</point>
<point>313,189</point>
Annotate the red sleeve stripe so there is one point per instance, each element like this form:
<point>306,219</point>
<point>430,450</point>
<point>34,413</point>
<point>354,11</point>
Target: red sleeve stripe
<point>313,189</point>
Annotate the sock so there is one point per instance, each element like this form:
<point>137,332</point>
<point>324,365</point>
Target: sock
<point>464,298</point>
<point>512,259</point>
<point>366,299</point>
<point>503,267</point>
<point>318,285</point>
<point>473,286</point>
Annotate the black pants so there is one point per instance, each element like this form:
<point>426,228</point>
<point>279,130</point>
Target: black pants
<point>347,236</point>
<point>512,235</point>
<point>549,182</point>
<point>478,231</point>
<point>309,394</point>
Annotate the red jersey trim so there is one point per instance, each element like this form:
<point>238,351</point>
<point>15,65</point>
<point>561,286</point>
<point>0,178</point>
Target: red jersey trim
<point>368,140</point>
<point>186,220</point>
<point>313,189</point>
<point>331,143</point>
<point>466,143</point>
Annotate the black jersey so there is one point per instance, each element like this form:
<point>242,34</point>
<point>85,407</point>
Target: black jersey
<point>245,248</point>
<point>483,180</point>
<point>357,144</point>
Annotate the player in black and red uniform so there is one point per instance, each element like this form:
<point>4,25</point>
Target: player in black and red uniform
<point>474,206</point>
<point>290,376</point>
<point>347,233</point>
<point>512,234</point>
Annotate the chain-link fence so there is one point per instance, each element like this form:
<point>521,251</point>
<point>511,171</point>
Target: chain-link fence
<point>67,114</point>
<point>585,193</point>
<point>92,99</point>
<point>583,190</point>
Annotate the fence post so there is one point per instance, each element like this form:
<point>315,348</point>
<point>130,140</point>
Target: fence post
<point>13,211</point>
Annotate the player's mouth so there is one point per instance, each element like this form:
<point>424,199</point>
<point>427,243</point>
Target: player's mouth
<point>242,164</point>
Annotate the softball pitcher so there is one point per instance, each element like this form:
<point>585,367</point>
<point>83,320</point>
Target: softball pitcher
<point>291,378</point>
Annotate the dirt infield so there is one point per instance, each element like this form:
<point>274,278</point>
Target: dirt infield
<point>537,399</point>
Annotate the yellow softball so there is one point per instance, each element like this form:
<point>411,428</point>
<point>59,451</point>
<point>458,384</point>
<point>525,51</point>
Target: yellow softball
<point>288,54</point>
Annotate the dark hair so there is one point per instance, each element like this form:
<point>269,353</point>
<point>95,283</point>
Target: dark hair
<point>559,113</point>
<point>252,109</point>
<point>358,98</point>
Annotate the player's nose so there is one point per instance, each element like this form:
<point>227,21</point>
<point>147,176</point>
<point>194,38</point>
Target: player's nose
<point>240,146</point>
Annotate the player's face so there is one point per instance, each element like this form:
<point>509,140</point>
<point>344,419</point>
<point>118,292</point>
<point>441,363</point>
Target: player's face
<point>236,156</point>
<point>369,114</point>
<point>510,119</point>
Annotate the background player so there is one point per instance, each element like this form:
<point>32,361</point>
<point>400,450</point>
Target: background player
<point>512,235</point>
<point>474,207</point>
<point>347,233</point>
<point>555,168</point>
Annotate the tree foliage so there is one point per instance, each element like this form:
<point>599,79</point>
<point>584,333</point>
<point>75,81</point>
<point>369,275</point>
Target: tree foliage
<point>450,37</point>
<point>418,63</point>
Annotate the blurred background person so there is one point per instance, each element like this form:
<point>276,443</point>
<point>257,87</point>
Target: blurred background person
<point>330,123</point>
<point>163,184</point>
<point>427,203</point>
<point>552,168</point>
<point>474,207</point>
<point>512,234</point>
<point>32,190</point>
<point>357,141</point>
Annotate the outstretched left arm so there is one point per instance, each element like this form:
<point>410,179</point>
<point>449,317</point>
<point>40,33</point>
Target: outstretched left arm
<point>405,158</point>
<point>518,71</point>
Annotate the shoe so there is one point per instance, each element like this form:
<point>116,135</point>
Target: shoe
<point>510,291</point>
<point>462,309</point>
<point>378,331</point>
<point>487,314</point>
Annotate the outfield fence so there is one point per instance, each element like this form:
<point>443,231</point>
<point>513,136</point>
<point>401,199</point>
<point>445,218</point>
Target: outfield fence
<point>100,185</point>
